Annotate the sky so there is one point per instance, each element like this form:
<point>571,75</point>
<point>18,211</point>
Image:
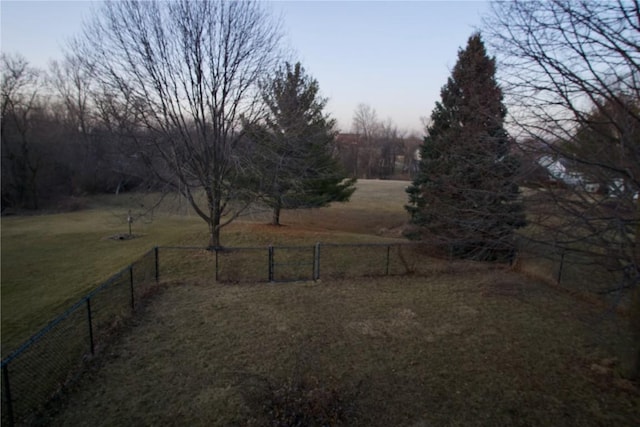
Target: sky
<point>394,56</point>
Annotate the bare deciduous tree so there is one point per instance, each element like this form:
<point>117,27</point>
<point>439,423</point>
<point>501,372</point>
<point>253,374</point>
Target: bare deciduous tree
<point>185,73</point>
<point>377,145</point>
<point>571,69</point>
<point>366,126</point>
<point>391,144</point>
<point>70,84</point>
<point>365,121</point>
<point>70,81</point>
<point>21,161</point>
<point>571,75</point>
<point>96,157</point>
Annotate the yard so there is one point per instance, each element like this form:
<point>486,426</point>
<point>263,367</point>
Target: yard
<point>50,261</point>
<point>458,344</point>
<point>478,346</point>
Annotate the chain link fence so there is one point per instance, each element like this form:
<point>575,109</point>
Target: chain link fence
<point>38,370</point>
<point>571,269</point>
<point>34,373</point>
<point>301,263</point>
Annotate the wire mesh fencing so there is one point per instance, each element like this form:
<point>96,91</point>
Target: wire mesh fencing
<point>571,269</point>
<point>40,368</point>
<point>35,372</point>
<point>300,263</point>
<point>354,260</point>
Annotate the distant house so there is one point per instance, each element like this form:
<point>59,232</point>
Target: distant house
<point>592,187</point>
<point>616,187</point>
<point>555,168</point>
<point>558,172</point>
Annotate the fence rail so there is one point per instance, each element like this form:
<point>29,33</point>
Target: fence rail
<point>35,372</point>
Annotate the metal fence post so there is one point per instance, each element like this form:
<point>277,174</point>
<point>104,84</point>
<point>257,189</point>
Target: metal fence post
<point>270,263</point>
<point>561,266</point>
<point>388,254</point>
<point>155,250</point>
<point>90,325</point>
<point>7,394</point>
<point>133,301</point>
<point>216,249</point>
<point>316,261</point>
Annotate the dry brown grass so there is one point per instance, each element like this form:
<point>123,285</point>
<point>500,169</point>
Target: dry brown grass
<point>477,347</point>
<point>377,207</point>
<point>467,345</point>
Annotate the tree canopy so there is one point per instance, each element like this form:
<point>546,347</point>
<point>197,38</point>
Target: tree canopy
<point>183,76</point>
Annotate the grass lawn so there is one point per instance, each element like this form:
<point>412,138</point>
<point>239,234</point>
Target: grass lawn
<point>466,345</point>
<point>472,347</point>
<point>50,261</point>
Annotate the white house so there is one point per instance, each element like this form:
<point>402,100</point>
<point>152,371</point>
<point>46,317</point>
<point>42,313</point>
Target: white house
<point>558,172</point>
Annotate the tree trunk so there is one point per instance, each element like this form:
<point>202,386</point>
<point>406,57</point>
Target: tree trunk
<point>33,190</point>
<point>636,373</point>
<point>635,304</point>
<point>214,236</point>
<point>214,225</point>
<point>275,219</point>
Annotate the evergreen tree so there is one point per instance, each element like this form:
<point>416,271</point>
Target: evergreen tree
<point>293,147</point>
<point>464,195</point>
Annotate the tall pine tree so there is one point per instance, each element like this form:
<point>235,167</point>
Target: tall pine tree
<point>465,196</point>
<point>293,147</point>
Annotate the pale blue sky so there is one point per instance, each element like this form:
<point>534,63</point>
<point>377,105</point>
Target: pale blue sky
<point>394,56</point>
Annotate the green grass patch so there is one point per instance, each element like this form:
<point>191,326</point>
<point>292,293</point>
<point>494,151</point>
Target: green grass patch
<point>50,261</point>
<point>472,347</point>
